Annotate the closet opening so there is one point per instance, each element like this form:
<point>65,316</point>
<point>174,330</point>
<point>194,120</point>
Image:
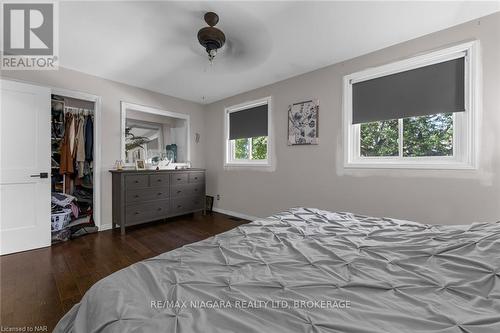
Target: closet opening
<point>72,167</point>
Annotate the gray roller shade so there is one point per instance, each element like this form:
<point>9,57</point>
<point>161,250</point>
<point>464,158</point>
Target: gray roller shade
<point>422,91</point>
<point>248,123</point>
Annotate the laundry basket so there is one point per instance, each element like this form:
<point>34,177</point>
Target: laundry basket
<point>60,219</point>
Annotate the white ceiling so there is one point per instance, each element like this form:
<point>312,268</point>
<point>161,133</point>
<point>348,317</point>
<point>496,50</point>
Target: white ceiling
<point>153,45</point>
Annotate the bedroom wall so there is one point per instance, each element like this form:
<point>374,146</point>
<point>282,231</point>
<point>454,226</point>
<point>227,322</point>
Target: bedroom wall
<point>314,175</point>
<point>112,93</point>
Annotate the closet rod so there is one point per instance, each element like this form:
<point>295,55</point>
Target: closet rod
<point>72,109</point>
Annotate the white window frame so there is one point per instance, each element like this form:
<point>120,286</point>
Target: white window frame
<point>229,144</point>
<point>465,132</point>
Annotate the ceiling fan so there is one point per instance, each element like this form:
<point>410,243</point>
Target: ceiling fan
<point>210,37</point>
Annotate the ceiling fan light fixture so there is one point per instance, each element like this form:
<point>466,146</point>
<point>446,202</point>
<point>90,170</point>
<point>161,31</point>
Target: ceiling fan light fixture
<point>211,55</point>
<point>210,37</point>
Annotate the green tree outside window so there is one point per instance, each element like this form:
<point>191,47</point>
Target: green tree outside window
<point>250,148</point>
<point>422,136</point>
<point>428,135</point>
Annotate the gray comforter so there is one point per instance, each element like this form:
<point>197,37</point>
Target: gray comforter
<point>308,270</point>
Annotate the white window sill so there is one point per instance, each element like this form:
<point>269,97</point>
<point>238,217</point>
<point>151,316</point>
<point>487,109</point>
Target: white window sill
<point>256,166</point>
<point>424,165</point>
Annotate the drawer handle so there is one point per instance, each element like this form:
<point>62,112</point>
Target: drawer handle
<point>159,180</point>
<point>179,191</point>
<point>196,190</point>
<point>179,178</point>
<point>136,181</point>
<point>195,178</point>
<point>159,193</point>
<point>179,206</point>
<point>136,196</point>
<point>136,213</point>
<point>159,209</point>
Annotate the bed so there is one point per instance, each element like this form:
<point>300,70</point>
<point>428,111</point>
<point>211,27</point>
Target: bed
<point>308,270</point>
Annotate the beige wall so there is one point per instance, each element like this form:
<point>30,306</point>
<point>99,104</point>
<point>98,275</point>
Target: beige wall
<point>314,175</point>
<point>112,93</point>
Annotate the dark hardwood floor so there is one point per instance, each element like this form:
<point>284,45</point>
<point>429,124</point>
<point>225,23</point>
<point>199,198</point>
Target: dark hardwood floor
<point>38,287</point>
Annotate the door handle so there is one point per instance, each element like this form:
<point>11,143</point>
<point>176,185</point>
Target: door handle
<point>41,175</point>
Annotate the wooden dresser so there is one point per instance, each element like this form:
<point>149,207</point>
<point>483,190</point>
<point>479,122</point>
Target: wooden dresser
<point>141,196</point>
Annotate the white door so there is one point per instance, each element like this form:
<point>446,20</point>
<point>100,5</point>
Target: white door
<point>24,157</point>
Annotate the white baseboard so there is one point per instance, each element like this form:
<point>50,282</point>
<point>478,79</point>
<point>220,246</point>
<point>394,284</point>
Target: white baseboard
<point>235,214</point>
<point>106,226</point>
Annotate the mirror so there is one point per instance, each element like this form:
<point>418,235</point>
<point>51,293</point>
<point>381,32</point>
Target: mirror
<point>158,137</point>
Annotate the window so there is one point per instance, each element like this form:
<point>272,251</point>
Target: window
<point>416,113</point>
<point>248,134</point>
<point>423,136</point>
<point>250,148</point>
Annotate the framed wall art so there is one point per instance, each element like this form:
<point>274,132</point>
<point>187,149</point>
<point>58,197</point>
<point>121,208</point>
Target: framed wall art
<point>303,124</point>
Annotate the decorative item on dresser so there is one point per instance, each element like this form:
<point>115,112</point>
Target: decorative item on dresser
<point>141,196</point>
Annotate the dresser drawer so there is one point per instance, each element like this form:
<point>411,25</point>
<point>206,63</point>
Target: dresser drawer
<point>179,178</point>
<point>180,191</point>
<point>159,180</point>
<point>146,211</point>
<point>181,205</point>
<point>146,194</point>
<point>197,189</point>
<point>186,204</point>
<point>198,202</point>
<point>187,190</point>
<point>196,177</point>
<point>136,181</point>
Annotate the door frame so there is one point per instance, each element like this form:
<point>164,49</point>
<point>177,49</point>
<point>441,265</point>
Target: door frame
<point>97,147</point>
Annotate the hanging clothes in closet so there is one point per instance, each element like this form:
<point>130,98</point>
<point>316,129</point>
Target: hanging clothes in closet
<point>89,150</point>
<point>75,164</point>
<point>77,147</point>
<point>80,146</point>
<point>89,140</point>
<point>66,165</point>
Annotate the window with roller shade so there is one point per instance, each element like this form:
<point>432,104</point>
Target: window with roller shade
<point>417,112</point>
<point>247,133</point>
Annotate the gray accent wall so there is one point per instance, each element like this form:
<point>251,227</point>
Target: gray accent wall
<point>314,175</point>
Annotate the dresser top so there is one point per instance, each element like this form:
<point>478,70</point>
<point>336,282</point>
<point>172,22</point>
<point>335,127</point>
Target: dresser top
<point>155,171</point>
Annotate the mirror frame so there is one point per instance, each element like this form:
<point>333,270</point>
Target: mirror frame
<point>124,106</point>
